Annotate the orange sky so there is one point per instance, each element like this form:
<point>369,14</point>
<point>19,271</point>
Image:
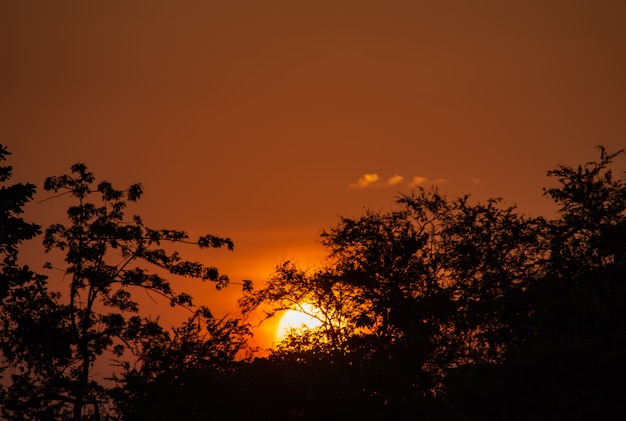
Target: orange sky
<point>257,119</point>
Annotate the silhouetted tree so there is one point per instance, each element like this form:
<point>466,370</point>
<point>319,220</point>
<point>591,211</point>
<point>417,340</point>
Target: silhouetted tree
<point>584,289</point>
<point>589,233</point>
<point>163,383</point>
<point>491,255</point>
<point>440,309</point>
<point>418,291</point>
<point>13,229</point>
<point>448,309</point>
<point>51,340</point>
<point>31,342</point>
<point>319,294</point>
<point>572,366</point>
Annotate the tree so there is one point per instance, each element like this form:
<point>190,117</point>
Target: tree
<point>13,229</point>
<point>55,346</point>
<point>592,203</point>
<point>178,374</point>
<point>26,306</point>
<point>583,292</point>
<point>571,366</point>
<point>583,296</point>
<point>491,256</point>
<point>319,294</point>
<point>423,289</point>
<point>450,309</point>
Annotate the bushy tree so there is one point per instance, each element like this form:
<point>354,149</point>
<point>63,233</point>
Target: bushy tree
<point>440,308</point>
<point>571,366</point>
<point>162,384</point>
<point>422,289</point>
<point>439,293</point>
<point>316,293</point>
<point>584,291</point>
<point>589,232</point>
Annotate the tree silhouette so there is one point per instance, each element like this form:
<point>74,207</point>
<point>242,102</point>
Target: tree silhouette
<point>332,302</point>
<point>53,340</point>
<point>442,299</point>
<point>591,207</point>
<point>438,309</point>
<point>27,310</point>
<point>417,291</point>
<point>585,277</point>
<point>572,365</point>
<point>166,374</point>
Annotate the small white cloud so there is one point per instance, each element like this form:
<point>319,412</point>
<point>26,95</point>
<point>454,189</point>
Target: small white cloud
<point>417,181</point>
<point>476,180</point>
<point>365,181</point>
<point>395,180</point>
<point>440,181</point>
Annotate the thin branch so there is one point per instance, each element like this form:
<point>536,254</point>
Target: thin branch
<point>54,197</point>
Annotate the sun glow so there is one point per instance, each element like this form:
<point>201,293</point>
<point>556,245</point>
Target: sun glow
<point>297,319</point>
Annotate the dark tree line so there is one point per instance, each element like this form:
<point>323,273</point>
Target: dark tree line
<point>439,309</point>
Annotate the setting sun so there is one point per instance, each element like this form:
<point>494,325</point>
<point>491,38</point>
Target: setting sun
<point>304,316</point>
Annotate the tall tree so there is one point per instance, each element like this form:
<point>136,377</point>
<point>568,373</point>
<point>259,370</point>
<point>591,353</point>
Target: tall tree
<point>97,314</point>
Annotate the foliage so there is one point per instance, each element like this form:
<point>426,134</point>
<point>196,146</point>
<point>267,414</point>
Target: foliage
<point>592,225</point>
<point>13,229</point>
<point>583,294</point>
<point>572,367</point>
<point>438,286</point>
<point>154,386</point>
<point>422,289</point>
<point>21,291</point>
<point>438,309</point>
<point>335,304</point>
<point>53,340</point>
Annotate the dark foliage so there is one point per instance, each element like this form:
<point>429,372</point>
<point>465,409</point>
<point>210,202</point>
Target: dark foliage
<point>573,367</point>
<point>472,311</point>
<point>439,309</point>
<point>51,340</point>
<point>183,375</point>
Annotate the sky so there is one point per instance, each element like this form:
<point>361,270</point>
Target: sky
<point>264,121</point>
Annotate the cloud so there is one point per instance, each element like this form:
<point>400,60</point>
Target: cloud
<point>417,181</point>
<point>372,179</point>
<point>395,180</point>
<point>365,181</point>
<point>476,180</point>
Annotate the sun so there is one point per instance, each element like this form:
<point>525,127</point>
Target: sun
<point>297,319</point>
